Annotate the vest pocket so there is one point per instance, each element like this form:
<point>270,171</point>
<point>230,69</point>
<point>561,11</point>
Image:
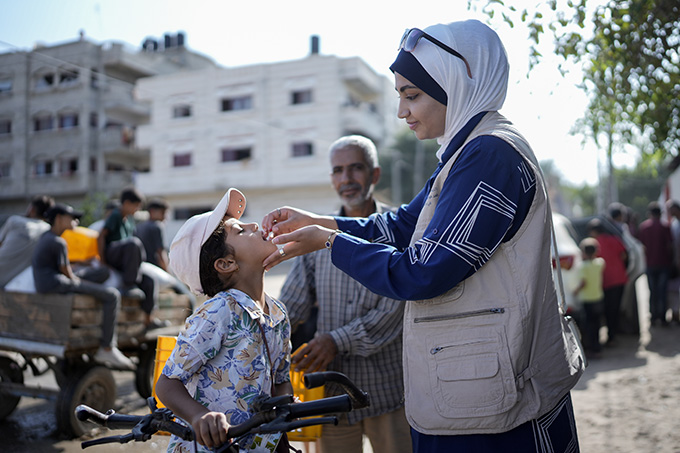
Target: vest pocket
<point>471,374</point>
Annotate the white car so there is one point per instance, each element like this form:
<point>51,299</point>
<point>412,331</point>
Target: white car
<point>569,255</point>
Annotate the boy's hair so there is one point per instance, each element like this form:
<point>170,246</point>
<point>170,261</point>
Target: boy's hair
<point>131,194</point>
<point>157,203</point>
<point>41,204</point>
<point>214,248</point>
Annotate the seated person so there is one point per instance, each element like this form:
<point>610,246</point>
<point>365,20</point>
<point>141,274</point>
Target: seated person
<point>18,237</point>
<point>151,232</point>
<point>52,273</point>
<point>125,253</point>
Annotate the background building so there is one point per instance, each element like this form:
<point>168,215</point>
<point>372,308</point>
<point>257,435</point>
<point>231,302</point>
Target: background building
<point>264,129</point>
<point>68,117</point>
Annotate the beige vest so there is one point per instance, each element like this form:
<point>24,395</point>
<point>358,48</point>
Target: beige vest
<point>494,352</point>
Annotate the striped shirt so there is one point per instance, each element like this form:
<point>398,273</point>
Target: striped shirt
<point>365,327</point>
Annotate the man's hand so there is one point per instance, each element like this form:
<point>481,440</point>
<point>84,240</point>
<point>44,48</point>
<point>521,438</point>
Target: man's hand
<point>318,353</point>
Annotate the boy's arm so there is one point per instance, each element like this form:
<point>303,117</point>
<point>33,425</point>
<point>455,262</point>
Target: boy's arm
<point>210,427</point>
<point>284,388</point>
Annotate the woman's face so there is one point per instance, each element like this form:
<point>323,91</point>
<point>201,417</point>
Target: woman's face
<point>423,114</point>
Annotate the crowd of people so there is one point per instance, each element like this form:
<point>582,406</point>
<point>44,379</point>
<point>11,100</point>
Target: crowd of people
<point>604,270</point>
<point>34,256</point>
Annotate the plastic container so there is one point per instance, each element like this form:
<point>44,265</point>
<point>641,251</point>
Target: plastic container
<point>164,347</point>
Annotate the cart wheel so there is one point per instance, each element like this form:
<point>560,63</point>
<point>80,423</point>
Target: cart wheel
<point>94,387</point>
<point>10,371</point>
<point>145,370</point>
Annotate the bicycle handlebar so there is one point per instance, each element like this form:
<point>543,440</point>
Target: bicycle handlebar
<point>273,415</point>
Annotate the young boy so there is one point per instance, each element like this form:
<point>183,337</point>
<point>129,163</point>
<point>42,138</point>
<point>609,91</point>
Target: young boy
<point>590,293</point>
<point>124,252</point>
<point>236,346</point>
<point>53,274</point>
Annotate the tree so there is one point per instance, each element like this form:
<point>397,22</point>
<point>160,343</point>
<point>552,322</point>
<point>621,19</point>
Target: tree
<point>406,167</point>
<point>630,63</point>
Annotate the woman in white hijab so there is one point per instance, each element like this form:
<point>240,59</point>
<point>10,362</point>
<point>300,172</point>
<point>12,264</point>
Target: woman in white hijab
<point>489,360</point>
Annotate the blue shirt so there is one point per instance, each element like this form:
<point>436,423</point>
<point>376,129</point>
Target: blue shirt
<point>483,202</point>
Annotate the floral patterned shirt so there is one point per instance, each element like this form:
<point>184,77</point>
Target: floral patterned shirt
<point>222,361</point>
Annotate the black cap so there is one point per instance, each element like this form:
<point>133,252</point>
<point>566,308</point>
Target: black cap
<point>60,208</point>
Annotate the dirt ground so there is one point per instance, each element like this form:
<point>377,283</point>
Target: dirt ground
<point>629,400</point>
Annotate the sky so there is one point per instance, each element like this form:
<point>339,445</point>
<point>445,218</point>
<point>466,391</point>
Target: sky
<point>544,106</point>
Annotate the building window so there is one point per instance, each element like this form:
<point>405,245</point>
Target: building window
<point>5,127</point>
<point>5,85</point>
<point>68,166</point>
<point>302,149</point>
<point>68,120</point>
<point>44,81</point>
<point>68,78</point>
<point>93,165</point>
<point>94,120</point>
<point>181,111</point>
<point>43,168</point>
<point>43,123</point>
<point>5,168</point>
<point>181,160</point>
<point>235,154</point>
<point>301,97</point>
<point>237,103</point>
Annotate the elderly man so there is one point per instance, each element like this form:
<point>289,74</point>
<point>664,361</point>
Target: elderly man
<point>358,332</point>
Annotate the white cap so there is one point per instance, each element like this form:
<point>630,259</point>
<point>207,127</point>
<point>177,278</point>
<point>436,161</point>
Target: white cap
<point>185,249</point>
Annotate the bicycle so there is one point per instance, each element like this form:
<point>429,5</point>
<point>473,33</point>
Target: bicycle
<point>272,415</point>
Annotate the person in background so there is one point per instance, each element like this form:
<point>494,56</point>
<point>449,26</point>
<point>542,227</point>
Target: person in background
<point>108,207</point>
<point>52,273</point>
<point>358,333</point>
<point>152,234</point>
<point>615,276</point>
<point>655,235</point>
<point>19,236</point>
<point>489,360</point>
<point>673,209</point>
<point>124,252</point>
<point>236,346</point>
<point>618,214</point>
<point>590,293</point>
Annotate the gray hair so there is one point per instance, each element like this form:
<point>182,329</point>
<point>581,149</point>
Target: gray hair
<point>360,142</point>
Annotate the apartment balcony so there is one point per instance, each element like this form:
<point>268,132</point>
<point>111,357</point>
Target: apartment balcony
<point>119,102</point>
<point>123,59</point>
<point>362,119</point>
<point>119,145</point>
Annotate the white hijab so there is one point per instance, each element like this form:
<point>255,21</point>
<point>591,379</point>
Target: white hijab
<point>483,50</point>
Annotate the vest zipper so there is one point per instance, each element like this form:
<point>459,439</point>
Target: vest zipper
<point>468,314</point>
<point>437,349</point>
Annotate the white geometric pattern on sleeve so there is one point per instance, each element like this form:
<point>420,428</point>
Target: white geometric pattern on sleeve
<point>386,235</point>
<point>485,203</point>
<point>528,177</point>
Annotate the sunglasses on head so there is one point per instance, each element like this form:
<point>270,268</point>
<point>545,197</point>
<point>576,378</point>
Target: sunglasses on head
<point>413,35</point>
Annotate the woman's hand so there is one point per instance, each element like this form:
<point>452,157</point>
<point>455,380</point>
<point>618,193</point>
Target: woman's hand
<point>299,242</point>
<point>211,429</point>
<point>286,219</point>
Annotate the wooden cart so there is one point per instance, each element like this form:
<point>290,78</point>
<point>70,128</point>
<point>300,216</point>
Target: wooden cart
<point>60,333</point>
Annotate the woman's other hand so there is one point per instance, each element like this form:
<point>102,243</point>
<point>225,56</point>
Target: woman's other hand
<point>298,242</point>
